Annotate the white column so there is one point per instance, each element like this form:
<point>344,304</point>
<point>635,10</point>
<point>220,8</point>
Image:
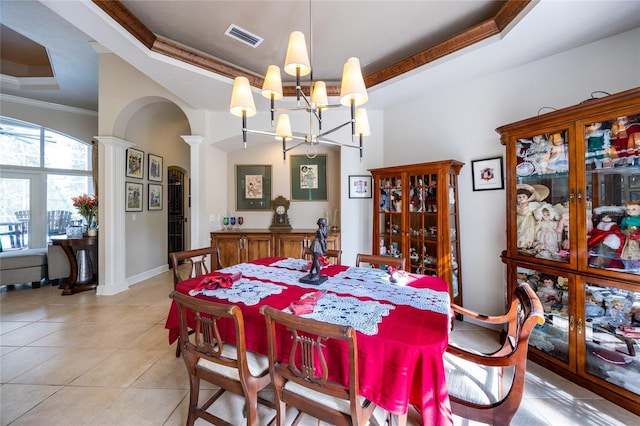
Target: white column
<point>194,142</point>
<point>112,256</point>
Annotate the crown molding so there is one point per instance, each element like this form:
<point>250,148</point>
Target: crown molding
<point>489,28</point>
<point>47,105</point>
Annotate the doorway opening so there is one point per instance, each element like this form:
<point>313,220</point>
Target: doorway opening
<point>176,207</point>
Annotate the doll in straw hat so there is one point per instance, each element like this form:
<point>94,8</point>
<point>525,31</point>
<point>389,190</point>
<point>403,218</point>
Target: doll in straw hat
<point>528,198</point>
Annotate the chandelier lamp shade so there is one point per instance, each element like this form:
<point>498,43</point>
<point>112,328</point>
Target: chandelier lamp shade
<point>353,93</point>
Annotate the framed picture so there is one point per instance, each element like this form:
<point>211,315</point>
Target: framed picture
<point>487,174</point>
<point>133,192</point>
<point>253,187</point>
<point>308,178</point>
<point>155,168</point>
<point>135,163</point>
<point>360,186</point>
<point>155,196</point>
<point>634,181</point>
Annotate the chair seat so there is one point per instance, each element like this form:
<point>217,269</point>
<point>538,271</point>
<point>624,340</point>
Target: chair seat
<point>471,382</point>
<point>258,364</point>
<point>339,404</point>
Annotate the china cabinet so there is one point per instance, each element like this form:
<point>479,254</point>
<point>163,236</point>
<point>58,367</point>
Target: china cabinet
<point>573,233</point>
<point>244,245</point>
<point>415,216</point>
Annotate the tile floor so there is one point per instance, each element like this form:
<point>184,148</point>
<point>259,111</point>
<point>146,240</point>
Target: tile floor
<point>105,360</point>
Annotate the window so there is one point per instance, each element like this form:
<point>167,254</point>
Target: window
<point>41,170</point>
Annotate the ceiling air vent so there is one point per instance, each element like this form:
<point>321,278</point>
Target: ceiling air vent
<point>243,35</point>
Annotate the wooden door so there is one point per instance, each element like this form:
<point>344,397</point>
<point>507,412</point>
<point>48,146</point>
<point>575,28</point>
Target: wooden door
<point>230,248</point>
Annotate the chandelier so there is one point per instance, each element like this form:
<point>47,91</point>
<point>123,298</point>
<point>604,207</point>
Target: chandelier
<point>353,93</point>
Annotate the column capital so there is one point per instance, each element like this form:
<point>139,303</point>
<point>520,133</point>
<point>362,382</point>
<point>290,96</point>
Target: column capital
<point>192,139</point>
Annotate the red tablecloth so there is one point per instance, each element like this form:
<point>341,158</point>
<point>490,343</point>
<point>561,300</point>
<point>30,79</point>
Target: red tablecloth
<point>402,363</point>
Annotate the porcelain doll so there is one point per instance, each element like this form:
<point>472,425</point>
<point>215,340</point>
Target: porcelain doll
<point>606,240</point>
<point>546,231</point>
<point>556,160</point>
<point>537,153</point>
<point>630,226</point>
<point>547,292</point>
<point>598,143</point>
<point>528,200</point>
<point>616,313</point>
<point>624,134</point>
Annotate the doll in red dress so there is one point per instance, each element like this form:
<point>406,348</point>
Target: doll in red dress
<point>606,240</point>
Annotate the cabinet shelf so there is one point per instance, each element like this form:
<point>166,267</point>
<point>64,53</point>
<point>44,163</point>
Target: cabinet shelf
<point>570,235</point>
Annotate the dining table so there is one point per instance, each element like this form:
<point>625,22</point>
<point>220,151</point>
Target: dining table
<point>402,327</point>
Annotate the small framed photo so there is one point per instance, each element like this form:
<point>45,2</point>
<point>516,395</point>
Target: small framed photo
<point>135,163</point>
<point>360,186</point>
<point>253,187</point>
<point>133,192</point>
<point>634,181</point>
<point>487,174</point>
<point>155,168</point>
<point>155,196</point>
<point>308,177</point>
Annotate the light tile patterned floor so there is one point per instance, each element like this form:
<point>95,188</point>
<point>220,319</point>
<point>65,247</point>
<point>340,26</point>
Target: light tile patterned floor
<point>105,360</point>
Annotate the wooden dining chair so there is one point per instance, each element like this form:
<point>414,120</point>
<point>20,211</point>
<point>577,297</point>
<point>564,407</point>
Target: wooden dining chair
<point>488,387</point>
<point>300,373</point>
<point>332,256</point>
<point>380,261</point>
<point>201,261</point>
<point>208,357</point>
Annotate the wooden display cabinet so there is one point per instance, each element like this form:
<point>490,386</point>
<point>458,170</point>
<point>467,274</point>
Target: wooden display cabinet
<point>573,233</point>
<point>415,216</point>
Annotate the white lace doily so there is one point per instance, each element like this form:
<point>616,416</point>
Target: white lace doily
<point>369,282</point>
<point>362,315</point>
<point>249,292</point>
<point>290,263</point>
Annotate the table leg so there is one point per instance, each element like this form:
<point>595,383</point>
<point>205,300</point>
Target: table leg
<point>70,285</point>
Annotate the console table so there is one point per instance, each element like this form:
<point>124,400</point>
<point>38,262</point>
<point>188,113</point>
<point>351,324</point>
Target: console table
<point>70,246</point>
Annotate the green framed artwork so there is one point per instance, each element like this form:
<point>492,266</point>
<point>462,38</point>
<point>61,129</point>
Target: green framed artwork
<point>253,187</point>
<point>308,178</point>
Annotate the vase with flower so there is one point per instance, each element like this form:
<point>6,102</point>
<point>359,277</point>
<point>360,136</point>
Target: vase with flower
<point>88,208</point>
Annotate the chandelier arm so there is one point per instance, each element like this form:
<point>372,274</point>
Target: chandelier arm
<point>290,109</point>
<point>335,128</point>
<point>262,132</point>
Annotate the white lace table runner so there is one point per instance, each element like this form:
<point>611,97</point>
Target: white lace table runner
<point>249,292</point>
<point>364,316</point>
<point>369,282</point>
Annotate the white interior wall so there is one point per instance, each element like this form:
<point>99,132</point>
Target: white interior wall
<point>459,122</point>
<point>155,129</point>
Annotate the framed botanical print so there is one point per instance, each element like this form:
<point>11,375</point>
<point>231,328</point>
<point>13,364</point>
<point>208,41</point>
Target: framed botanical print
<point>308,178</point>
<point>155,168</point>
<point>155,197</point>
<point>253,187</point>
<point>133,193</point>
<point>135,163</point>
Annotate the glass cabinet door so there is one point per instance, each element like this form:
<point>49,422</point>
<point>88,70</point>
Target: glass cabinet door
<point>390,212</point>
<point>612,335</point>
<point>612,178</point>
<point>542,206</point>
<point>554,337</point>
<point>453,234</point>
<point>423,227</point>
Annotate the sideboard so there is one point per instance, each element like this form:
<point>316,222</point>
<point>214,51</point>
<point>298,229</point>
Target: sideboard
<point>244,245</point>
